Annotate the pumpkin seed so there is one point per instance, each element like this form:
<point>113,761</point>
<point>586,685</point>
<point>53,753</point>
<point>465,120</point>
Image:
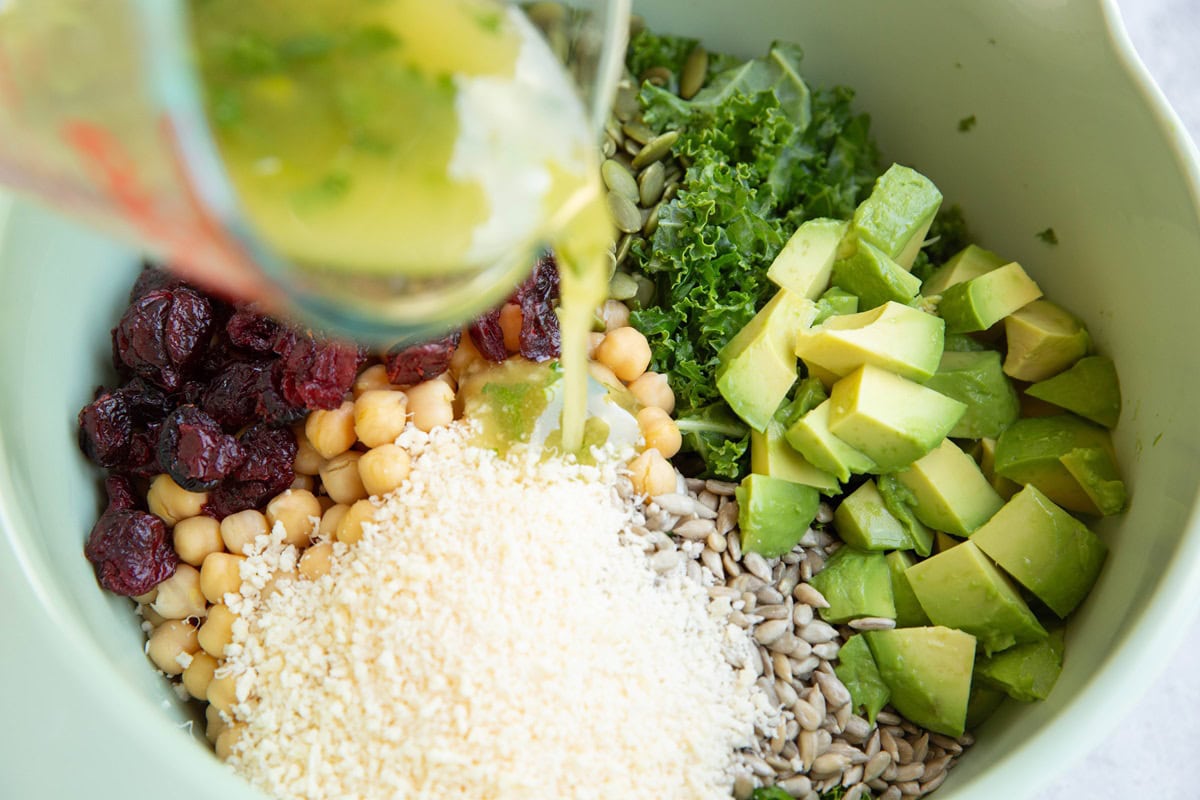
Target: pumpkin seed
<point>651,224</point>
<point>651,183</point>
<point>619,180</point>
<point>625,214</point>
<point>694,71</point>
<point>609,148</point>
<point>623,248</point>
<point>645,294</point>
<point>622,286</point>
<point>626,105</point>
<point>655,149</point>
<point>659,76</point>
<point>632,147</point>
<point>637,130</point>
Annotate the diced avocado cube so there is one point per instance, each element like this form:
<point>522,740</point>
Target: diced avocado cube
<point>774,514</point>
<point>805,263</point>
<point>900,502</point>
<point>1069,459</point>
<point>897,214</point>
<point>970,262</point>
<point>909,613</point>
<point>771,455</point>
<point>943,541</point>
<point>863,521</point>
<point>857,584</point>
<point>835,302</point>
<point>758,365</point>
<point>889,418</point>
<point>874,278</point>
<point>1043,340</point>
<point>1089,388</point>
<point>823,376</point>
<point>808,395</point>
<point>895,337</point>
<point>1048,551</point>
<point>980,303</point>
<point>977,380</point>
<point>963,343</point>
<point>962,589</point>
<point>811,437</point>
<point>857,671</point>
<point>984,453</point>
<point>928,671</point>
<point>1026,672</point>
<point>983,703</point>
<point>951,492</point>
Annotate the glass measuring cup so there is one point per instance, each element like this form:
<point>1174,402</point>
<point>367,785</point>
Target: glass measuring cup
<point>102,116</point>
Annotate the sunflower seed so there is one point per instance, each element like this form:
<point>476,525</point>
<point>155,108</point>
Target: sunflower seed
<point>818,632</point>
<point>933,783</point>
<point>888,718</point>
<point>731,567</point>
<point>875,767</point>
<point>727,518</point>
<point>833,689</point>
<point>715,542</point>
<point>937,766</point>
<point>759,766</point>
<point>857,729</point>
<point>872,624</point>
<point>733,540</point>
<point>664,560</point>
<point>796,786</point>
<point>655,149</point>
<point>722,488</point>
<point>802,615</point>
<point>712,560</point>
<point>826,650</point>
<point>892,793</point>
<point>772,631</point>
<point>808,717</point>
<point>852,776</point>
<point>678,504</point>
<point>946,743</point>
<point>694,73</point>
<point>857,792</point>
<point>828,765</point>
<point>774,612</point>
<point>696,530</point>
<point>921,748</point>
<point>788,581</point>
<point>908,789</point>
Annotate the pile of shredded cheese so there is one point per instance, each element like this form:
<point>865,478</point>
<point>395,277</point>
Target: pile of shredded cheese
<point>498,633</point>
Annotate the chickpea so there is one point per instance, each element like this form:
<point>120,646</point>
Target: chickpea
<point>196,537</point>
<point>372,379</point>
<point>466,358</point>
<point>308,460</point>
<point>222,693</point>
<point>330,521</point>
<point>510,326</point>
<point>614,314</point>
<point>217,631</point>
<point>241,529</point>
<point>431,404</point>
<point>653,389</point>
<point>147,598</point>
<point>652,474</point>
<point>350,529</point>
<point>384,468</point>
<point>171,502</point>
<point>326,502</point>
<point>227,742</point>
<point>152,616</point>
<point>331,432</point>
<point>298,511</point>
<point>170,641</point>
<point>341,480</point>
<point>593,341</point>
<point>213,724</point>
<point>604,375</point>
<point>220,574</point>
<point>304,483</point>
<point>660,431</point>
<point>199,675</point>
<point>380,417</point>
<point>317,560</point>
<point>179,596</point>
<point>626,352</point>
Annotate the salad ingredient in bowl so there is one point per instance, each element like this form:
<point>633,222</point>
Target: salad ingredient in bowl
<point>897,557</point>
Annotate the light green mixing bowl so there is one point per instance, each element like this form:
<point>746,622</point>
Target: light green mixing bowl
<point>1070,133</point>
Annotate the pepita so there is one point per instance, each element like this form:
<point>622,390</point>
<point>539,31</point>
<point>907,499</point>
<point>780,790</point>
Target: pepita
<point>651,183</point>
<point>619,180</point>
<point>694,72</point>
<point>655,149</point>
<point>626,215</point>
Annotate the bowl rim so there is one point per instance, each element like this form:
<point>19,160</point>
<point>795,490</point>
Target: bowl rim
<point>1102,703</point>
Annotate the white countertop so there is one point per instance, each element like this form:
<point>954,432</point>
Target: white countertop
<point>1150,753</point>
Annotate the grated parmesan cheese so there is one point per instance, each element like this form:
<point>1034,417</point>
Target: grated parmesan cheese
<point>498,632</point>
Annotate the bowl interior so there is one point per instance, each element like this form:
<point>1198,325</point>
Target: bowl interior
<point>1066,136</point>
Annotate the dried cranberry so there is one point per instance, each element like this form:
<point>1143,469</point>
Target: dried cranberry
<point>488,337</point>
<point>232,396</point>
<point>147,403</point>
<point>315,374</point>
<point>105,430</point>
<point>163,334</point>
<point>421,362</point>
<point>541,338</point>
<point>142,459</point>
<point>266,470</point>
<point>194,451</point>
<point>129,549</point>
<point>150,279</point>
<point>269,402</point>
<point>249,330</point>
